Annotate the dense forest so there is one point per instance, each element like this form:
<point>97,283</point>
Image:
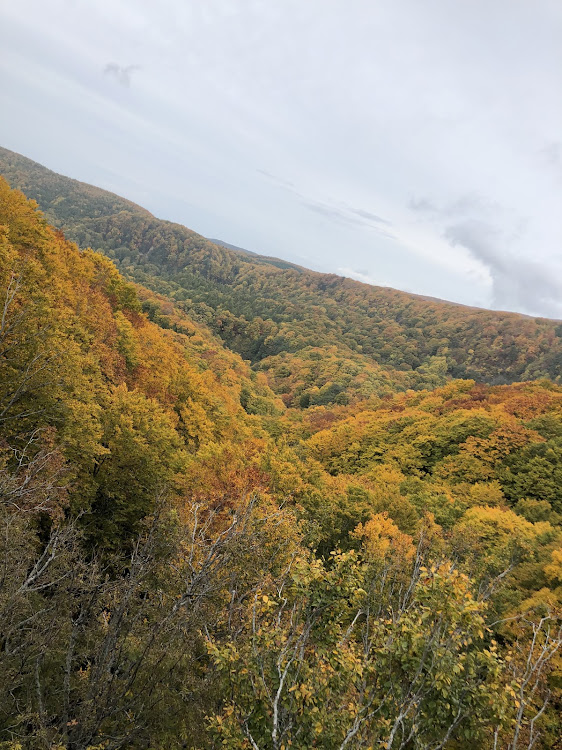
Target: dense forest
<point>282,318</point>
<point>245,505</point>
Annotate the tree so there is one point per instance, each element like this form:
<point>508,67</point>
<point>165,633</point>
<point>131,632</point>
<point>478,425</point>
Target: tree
<point>372,649</point>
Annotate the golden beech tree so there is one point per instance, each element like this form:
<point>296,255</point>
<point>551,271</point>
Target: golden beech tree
<point>306,549</point>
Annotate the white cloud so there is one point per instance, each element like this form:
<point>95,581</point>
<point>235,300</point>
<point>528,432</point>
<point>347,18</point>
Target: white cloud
<point>121,73</point>
<point>364,135</point>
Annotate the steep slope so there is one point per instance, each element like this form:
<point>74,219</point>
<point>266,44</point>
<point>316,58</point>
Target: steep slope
<point>132,407</point>
<point>263,308</point>
<point>170,535</point>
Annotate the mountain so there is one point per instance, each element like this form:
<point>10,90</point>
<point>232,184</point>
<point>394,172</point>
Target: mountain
<point>188,563</point>
<point>285,319</point>
<point>231,247</point>
<point>259,258</point>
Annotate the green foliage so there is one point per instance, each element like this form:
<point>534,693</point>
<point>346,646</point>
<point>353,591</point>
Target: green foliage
<point>338,340</point>
<point>535,472</point>
<point>333,657</point>
<point>143,458</point>
<point>190,560</point>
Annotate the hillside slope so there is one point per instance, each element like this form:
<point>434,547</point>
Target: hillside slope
<point>80,359</point>
<point>280,316</point>
<point>170,535</point>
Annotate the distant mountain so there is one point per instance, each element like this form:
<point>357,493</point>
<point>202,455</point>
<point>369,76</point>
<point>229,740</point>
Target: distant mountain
<point>257,257</point>
<point>231,247</point>
<point>289,321</point>
<point>172,535</point>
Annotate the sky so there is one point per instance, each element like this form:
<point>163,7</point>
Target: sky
<point>416,145</point>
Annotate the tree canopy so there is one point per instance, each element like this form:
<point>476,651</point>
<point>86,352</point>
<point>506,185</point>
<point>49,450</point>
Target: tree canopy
<point>283,542</point>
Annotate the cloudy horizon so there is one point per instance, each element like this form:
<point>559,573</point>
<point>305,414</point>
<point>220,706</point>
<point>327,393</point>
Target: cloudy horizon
<point>410,145</point>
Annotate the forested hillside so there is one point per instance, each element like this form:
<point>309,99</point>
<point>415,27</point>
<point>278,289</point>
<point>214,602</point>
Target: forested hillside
<point>186,562</point>
<point>283,318</point>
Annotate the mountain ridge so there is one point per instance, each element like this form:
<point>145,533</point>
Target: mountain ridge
<point>7,162</point>
<point>283,317</point>
<point>170,530</point>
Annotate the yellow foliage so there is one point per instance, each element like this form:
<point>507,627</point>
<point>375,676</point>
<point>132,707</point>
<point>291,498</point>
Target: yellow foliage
<point>381,538</point>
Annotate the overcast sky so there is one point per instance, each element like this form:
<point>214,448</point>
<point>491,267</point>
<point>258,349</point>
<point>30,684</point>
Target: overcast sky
<point>404,143</point>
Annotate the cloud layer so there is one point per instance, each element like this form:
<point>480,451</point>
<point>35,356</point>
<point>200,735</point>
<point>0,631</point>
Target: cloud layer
<point>418,142</point>
<point>121,73</point>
